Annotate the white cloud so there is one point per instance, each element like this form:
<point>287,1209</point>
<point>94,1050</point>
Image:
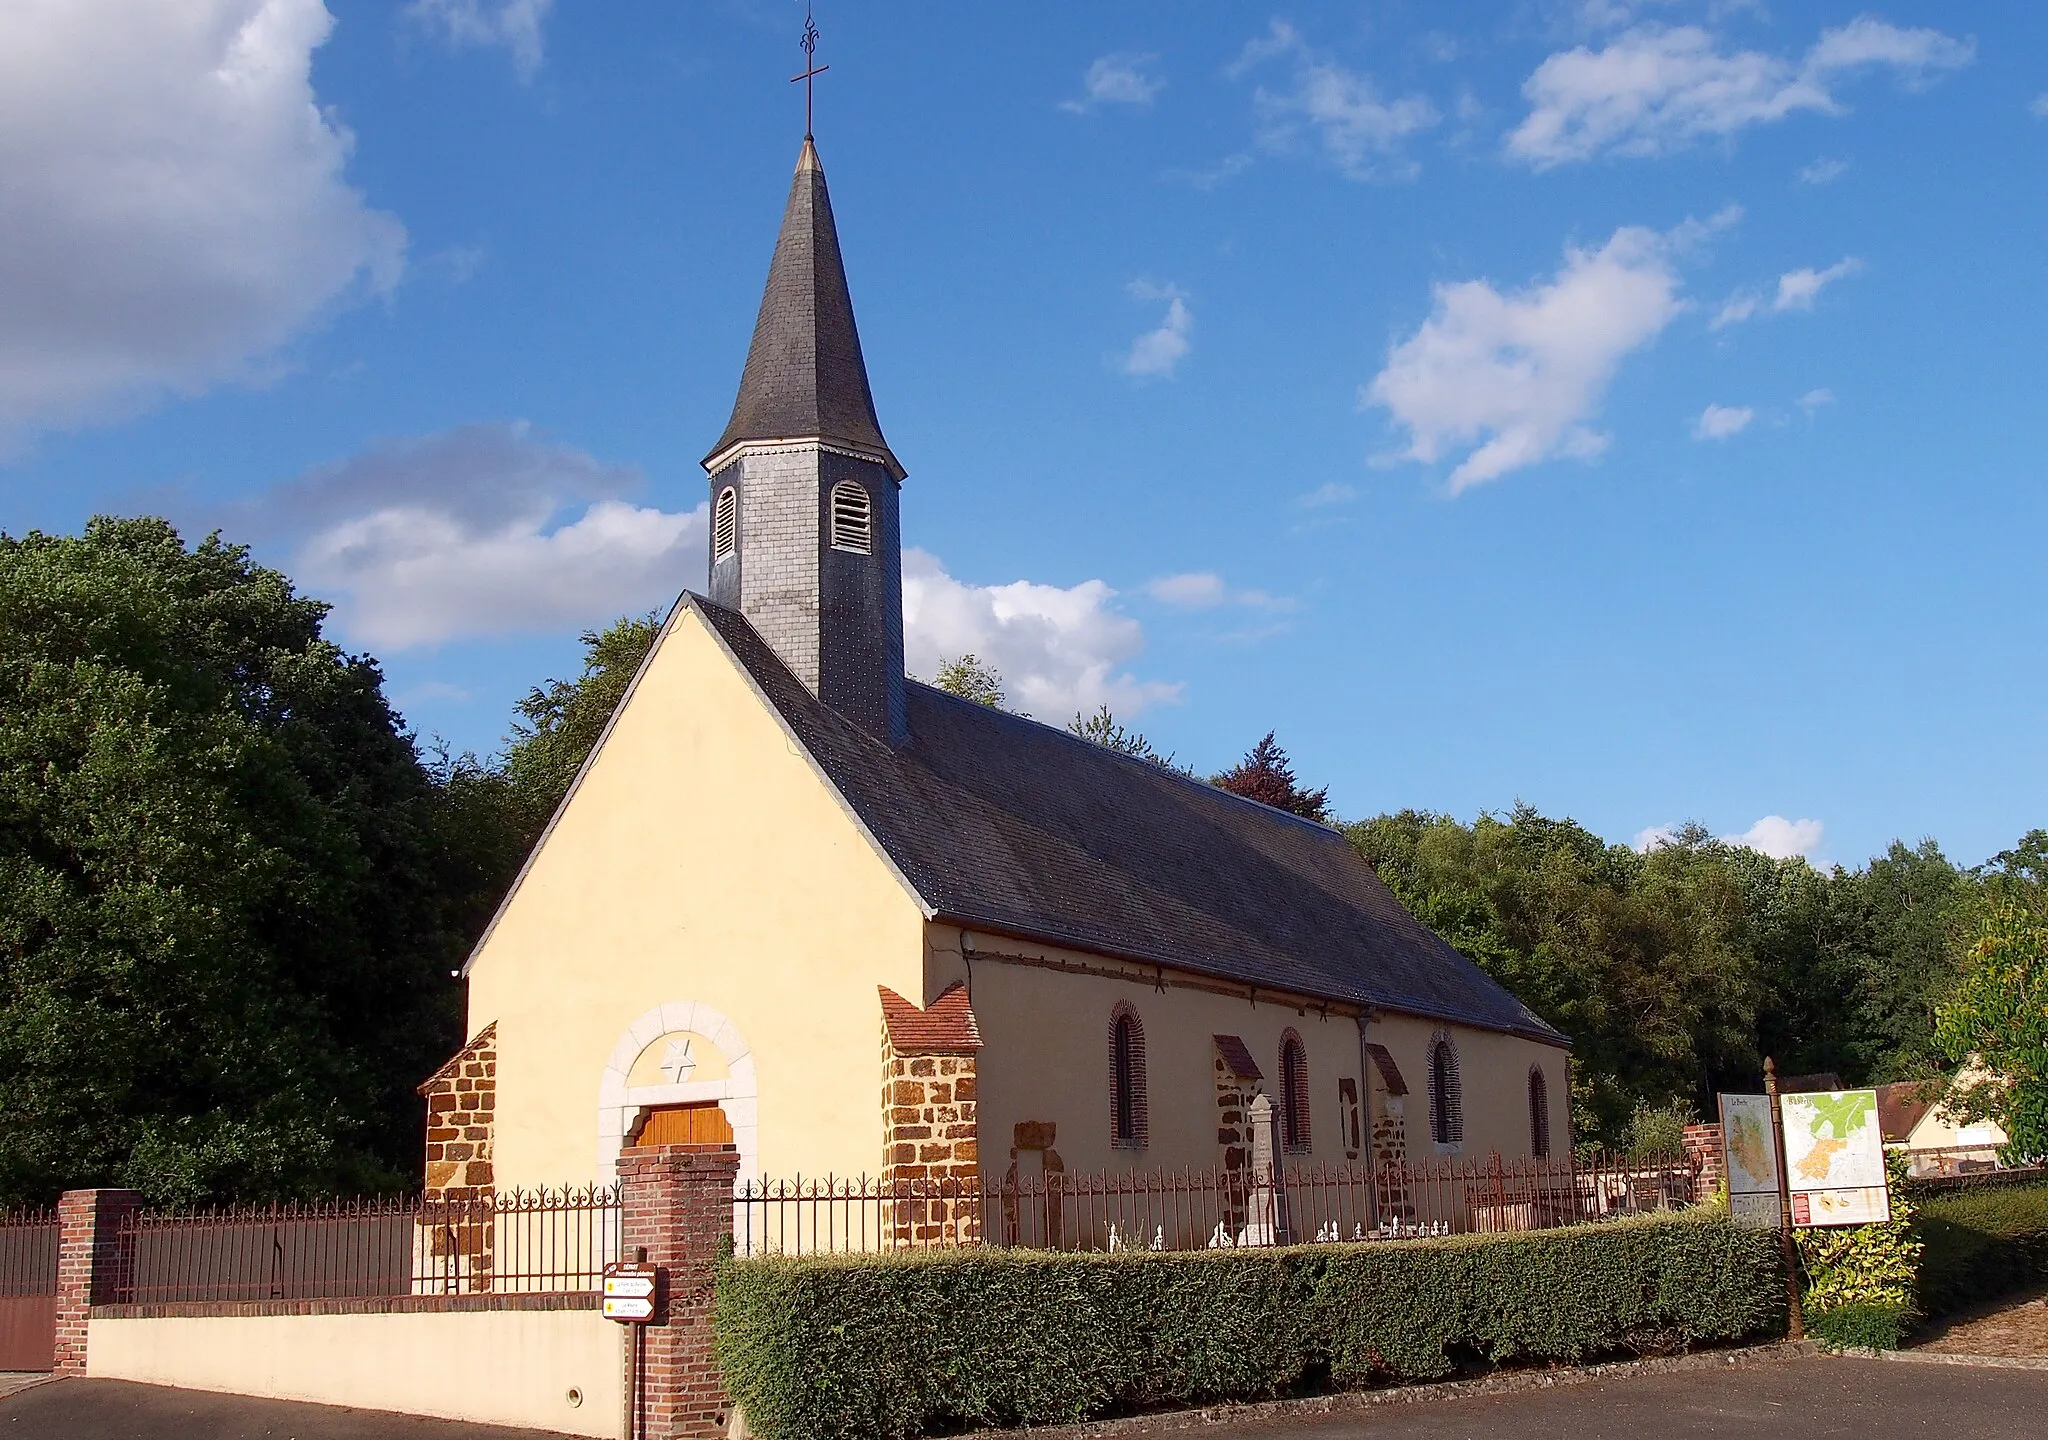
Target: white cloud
<point>1205,590</point>
<point>1813,400</point>
<point>1823,171</point>
<point>1158,352</point>
<point>1330,492</point>
<point>1774,835</point>
<point>1060,650</point>
<point>1718,422</point>
<point>1782,839</point>
<point>1359,130</point>
<point>1796,290</point>
<point>2040,106</point>
<point>1651,837</point>
<point>1196,590</point>
<point>173,199</point>
<point>1511,379</point>
<point>484,530</point>
<point>1653,90</point>
<point>1117,80</point>
<point>514,25</point>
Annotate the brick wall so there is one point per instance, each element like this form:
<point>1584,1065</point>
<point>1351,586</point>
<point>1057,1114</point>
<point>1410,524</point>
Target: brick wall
<point>677,1209</point>
<point>930,1129</point>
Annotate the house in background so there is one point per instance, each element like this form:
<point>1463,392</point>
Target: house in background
<point>1916,1120</point>
<point>851,923</point>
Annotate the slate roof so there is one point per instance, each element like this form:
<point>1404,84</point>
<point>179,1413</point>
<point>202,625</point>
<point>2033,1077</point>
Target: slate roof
<point>1003,824</point>
<point>805,376</point>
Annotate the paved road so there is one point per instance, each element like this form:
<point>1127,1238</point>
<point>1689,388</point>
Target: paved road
<point>1813,1399</point>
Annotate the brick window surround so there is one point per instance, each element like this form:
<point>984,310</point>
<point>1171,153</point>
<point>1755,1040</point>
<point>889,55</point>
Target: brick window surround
<point>1130,1101</point>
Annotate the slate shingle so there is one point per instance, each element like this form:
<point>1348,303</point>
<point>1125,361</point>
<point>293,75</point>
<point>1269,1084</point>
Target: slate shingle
<point>805,376</point>
<point>1007,825</point>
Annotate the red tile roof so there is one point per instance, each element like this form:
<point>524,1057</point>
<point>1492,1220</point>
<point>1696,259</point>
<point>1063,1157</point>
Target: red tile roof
<point>947,1025</point>
<point>1389,1071</point>
<point>1900,1107</point>
<point>453,1067</point>
<point>1237,1057</point>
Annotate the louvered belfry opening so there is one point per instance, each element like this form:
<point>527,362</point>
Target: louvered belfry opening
<point>852,519</point>
<point>725,524</point>
<point>1539,1112</point>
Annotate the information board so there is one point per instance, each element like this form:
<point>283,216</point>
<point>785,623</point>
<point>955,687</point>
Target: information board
<point>1834,1158</point>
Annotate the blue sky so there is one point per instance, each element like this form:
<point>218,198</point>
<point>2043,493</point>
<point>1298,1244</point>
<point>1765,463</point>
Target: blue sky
<point>1631,408</point>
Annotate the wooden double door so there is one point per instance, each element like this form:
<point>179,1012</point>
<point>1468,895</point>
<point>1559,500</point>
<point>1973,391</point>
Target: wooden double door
<point>702,1123</point>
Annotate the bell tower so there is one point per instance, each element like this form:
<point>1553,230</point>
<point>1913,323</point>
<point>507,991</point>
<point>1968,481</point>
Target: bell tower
<point>805,539</point>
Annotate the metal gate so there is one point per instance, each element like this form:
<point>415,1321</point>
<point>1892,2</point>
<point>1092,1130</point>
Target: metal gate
<point>28,1289</point>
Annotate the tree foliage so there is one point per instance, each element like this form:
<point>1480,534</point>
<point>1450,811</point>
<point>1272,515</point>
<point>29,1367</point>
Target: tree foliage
<point>1267,776</point>
<point>229,895</point>
<point>1102,728</point>
<point>971,678</point>
<point>1676,971</point>
<point>1998,1014</point>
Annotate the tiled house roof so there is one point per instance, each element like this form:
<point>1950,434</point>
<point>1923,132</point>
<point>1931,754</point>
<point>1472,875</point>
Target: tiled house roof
<point>1002,824</point>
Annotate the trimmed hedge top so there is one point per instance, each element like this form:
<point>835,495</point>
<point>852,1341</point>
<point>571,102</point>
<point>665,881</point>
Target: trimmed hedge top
<point>911,1344</point>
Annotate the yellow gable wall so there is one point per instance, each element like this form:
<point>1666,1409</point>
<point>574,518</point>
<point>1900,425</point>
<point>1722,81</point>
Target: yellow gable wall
<point>1046,1057</point>
<point>702,865</point>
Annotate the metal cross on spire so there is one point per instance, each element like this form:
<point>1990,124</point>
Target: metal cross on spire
<point>811,68</point>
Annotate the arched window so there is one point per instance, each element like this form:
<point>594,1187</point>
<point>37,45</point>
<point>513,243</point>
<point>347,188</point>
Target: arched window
<point>1293,1092</point>
<point>1446,1092</point>
<point>725,524</point>
<point>1129,1112</point>
<point>1539,1113</point>
<point>852,520</point>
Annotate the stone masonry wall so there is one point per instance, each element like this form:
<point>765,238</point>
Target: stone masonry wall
<point>462,1099</point>
<point>931,1133</point>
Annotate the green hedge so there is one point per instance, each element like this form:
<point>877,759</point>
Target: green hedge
<point>914,1344</point>
<point>1981,1244</point>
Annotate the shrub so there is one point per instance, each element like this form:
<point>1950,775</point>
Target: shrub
<point>909,1344</point>
<point>1862,1280</point>
<point>1981,1244</point>
<point>1862,1326</point>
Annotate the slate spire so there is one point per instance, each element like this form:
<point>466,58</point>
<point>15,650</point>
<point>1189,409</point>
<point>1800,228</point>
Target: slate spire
<point>805,377</point>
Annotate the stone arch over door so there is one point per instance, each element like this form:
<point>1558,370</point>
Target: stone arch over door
<point>642,1073</point>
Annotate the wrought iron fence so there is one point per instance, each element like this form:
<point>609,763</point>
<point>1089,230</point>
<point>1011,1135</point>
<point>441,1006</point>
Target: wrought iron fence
<point>1196,1209</point>
<point>28,1252</point>
<point>518,1242</point>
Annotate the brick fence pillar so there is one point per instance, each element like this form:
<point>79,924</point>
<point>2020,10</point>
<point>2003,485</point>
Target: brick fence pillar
<point>677,1205</point>
<point>1703,1148</point>
<point>95,1264</point>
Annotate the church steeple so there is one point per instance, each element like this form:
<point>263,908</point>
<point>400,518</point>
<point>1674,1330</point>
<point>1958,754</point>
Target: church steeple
<point>805,375</point>
<point>805,537</point>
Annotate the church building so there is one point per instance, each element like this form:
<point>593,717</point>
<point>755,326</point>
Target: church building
<point>855,924</point>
